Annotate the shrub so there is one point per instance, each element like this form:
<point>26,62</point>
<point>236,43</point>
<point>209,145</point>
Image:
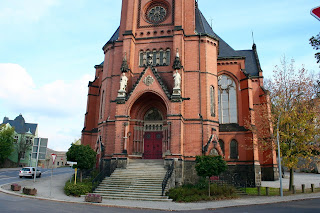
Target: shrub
<point>77,189</point>
<point>199,192</point>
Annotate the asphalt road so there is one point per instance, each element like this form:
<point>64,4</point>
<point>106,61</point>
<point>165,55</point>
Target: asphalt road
<point>10,204</point>
<point>11,176</point>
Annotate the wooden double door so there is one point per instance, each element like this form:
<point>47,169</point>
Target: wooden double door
<point>153,145</point>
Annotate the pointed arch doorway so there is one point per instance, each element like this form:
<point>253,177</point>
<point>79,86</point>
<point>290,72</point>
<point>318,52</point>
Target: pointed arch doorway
<point>151,132</point>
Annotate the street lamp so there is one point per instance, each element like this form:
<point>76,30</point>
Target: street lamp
<point>279,159</point>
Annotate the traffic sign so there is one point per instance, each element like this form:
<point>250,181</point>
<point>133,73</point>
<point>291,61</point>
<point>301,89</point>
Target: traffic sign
<point>53,157</point>
<point>316,12</point>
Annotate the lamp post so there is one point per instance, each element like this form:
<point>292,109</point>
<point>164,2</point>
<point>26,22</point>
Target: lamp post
<point>278,137</point>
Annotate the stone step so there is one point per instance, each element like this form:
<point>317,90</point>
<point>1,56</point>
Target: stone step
<point>134,198</point>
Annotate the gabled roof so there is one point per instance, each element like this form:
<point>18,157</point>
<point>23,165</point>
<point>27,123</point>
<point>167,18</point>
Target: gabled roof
<point>20,126</point>
<point>250,62</point>
<point>158,77</point>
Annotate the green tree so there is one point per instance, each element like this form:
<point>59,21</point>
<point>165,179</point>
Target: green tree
<point>207,166</point>
<point>6,142</point>
<point>292,94</point>
<point>83,155</point>
<point>315,43</point>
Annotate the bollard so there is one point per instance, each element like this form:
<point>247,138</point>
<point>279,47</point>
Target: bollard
<point>259,190</point>
<point>293,189</point>
<point>312,187</point>
<point>267,191</point>
<point>303,186</point>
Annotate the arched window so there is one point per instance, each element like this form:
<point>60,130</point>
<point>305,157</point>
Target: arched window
<point>234,149</point>
<point>101,105</point>
<point>168,56</point>
<point>221,143</point>
<point>212,102</point>
<point>227,100</point>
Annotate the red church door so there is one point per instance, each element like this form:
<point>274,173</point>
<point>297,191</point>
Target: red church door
<point>153,145</point>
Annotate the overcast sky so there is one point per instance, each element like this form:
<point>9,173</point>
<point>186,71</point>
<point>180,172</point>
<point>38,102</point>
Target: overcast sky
<point>48,49</point>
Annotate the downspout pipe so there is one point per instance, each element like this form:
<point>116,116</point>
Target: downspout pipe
<point>200,104</point>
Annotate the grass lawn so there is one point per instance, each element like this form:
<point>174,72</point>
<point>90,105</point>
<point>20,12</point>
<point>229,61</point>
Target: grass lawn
<point>275,191</point>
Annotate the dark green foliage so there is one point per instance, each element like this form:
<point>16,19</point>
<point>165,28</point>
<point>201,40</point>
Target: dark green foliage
<point>78,189</point>
<point>83,155</point>
<point>194,193</point>
<point>315,43</point>
<point>6,142</point>
<point>207,166</point>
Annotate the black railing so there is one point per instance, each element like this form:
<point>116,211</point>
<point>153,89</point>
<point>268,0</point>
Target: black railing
<point>167,177</point>
<point>98,179</point>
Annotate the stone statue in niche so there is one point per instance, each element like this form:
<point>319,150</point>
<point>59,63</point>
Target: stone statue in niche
<point>123,82</point>
<point>177,80</point>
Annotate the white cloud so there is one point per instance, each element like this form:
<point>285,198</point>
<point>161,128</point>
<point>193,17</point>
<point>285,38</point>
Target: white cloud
<point>58,107</point>
<point>23,11</point>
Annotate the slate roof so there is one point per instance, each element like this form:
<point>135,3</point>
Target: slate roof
<point>251,63</point>
<point>225,51</point>
<point>20,126</point>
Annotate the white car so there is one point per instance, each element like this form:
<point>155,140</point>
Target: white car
<point>29,172</point>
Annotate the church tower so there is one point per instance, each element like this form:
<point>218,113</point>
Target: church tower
<point>169,88</point>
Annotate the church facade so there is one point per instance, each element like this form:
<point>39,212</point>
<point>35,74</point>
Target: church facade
<point>170,88</point>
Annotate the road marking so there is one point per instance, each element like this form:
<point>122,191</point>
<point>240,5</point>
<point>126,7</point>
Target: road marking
<point>3,176</point>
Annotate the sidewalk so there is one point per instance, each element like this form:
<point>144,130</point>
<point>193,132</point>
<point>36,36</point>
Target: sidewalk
<point>57,194</point>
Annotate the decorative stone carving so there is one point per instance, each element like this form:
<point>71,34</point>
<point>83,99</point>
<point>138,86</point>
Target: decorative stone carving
<point>148,80</point>
<point>177,80</point>
<point>177,63</point>
<point>124,66</point>
<point>123,82</point>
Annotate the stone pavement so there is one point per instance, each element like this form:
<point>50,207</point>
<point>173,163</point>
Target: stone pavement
<point>57,194</point>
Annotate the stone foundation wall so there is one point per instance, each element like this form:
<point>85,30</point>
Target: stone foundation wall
<point>269,173</point>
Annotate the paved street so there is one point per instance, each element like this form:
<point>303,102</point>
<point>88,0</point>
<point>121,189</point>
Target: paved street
<point>12,204</point>
<point>55,200</point>
<point>12,175</point>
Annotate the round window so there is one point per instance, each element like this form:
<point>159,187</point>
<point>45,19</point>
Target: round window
<point>156,14</point>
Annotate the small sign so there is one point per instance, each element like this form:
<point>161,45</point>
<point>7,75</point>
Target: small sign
<point>42,149</point>
<point>70,163</point>
<point>53,157</point>
<point>316,12</point>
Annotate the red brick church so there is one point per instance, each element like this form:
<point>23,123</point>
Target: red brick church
<point>170,88</point>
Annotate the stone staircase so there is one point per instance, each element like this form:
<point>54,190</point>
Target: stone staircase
<point>141,180</point>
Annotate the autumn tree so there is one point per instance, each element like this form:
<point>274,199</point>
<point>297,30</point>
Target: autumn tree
<point>6,142</point>
<point>292,93</point>
<point>23,144</point>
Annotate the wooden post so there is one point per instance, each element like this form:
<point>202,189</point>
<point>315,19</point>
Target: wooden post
<point>293,189</point>
<point>267,191</point>
<point>303,186</point>
<point>312,187</point>
<point>259,190</point>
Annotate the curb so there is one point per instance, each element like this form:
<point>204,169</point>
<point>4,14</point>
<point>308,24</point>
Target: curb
<point>257,201</point>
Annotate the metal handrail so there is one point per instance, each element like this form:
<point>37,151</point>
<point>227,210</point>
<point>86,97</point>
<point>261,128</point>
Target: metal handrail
<point>167,177</point>
<point>98,179</point>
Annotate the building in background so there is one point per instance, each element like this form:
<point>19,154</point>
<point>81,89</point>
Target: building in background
<point>60,161</point>
<point>170,88</point>
<point>24,133</point>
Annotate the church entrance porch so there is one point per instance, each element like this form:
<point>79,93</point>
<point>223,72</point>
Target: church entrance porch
<point>149,130</point>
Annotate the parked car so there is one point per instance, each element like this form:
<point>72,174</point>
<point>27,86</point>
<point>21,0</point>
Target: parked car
<point>29,172</point>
